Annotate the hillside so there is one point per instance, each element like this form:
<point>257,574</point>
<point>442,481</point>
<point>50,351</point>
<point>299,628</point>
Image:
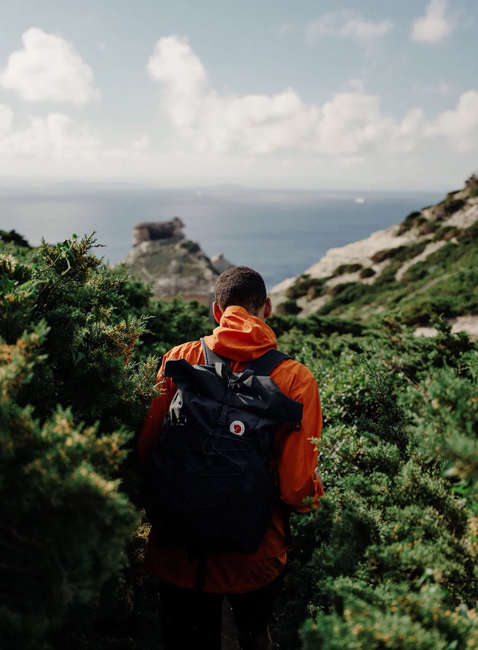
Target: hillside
<point>422,268</point>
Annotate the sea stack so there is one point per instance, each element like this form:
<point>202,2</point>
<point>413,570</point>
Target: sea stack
<point>173,265</point>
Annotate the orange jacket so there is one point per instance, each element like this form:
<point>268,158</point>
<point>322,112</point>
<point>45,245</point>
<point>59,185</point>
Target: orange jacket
<point>242,337</point>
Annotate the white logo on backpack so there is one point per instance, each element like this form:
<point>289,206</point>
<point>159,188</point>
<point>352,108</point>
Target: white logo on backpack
<point>237,427</point>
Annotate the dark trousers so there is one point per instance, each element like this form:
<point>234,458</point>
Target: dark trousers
<point>193,619</point>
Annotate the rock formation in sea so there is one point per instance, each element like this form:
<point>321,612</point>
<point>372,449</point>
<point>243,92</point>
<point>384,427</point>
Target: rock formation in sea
<point>173,265</point>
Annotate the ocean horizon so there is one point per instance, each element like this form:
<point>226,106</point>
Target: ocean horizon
<point>278,232</point>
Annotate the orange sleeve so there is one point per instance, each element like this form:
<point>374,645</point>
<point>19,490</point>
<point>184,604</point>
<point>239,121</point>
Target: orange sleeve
<point>151,428</point>
<point>298,461</point>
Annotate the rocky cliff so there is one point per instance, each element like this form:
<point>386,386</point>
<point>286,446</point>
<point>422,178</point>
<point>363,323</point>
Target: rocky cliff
<point>363,278</point>
<point>172,264</point>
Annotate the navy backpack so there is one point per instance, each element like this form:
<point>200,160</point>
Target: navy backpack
<point>211,485</point>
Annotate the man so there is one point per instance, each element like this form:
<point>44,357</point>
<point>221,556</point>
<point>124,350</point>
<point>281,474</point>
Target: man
<point>192,618</point>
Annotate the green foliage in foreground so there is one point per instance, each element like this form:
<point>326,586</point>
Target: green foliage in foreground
<point>389,559</point>
<point>74,386</point>
<point>64,522</point>
<point>387,562</point>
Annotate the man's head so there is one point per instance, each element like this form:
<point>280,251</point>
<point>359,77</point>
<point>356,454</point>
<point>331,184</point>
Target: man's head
<point>240,285</point>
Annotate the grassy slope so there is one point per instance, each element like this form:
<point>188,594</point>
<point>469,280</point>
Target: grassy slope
<point>446,283</point>
<point>443,284</point>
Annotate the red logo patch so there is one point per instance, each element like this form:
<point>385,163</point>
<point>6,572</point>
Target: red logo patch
<point>237,427</point>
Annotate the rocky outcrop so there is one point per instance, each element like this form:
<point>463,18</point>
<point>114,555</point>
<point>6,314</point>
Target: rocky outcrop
<point>220,263</point>
<point>164,231</point>
<point>173,265</point>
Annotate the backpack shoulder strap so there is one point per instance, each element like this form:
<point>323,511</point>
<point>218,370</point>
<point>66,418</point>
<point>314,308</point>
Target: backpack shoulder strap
<point>264,365</point>
<point>211,357</point>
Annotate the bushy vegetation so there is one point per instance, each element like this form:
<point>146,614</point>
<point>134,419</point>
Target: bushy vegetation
<point>346,268</point>
<point>446,233</point>
<point>288,307</point>
<point>14,237</point>
<point>367,272</point>
<point>75,382</point>
<point>387,562</point>
<point>412,220</point>
<point>449,206</point>
<point>190,246</point>
<point>306,286</point>
<point>400,253</point>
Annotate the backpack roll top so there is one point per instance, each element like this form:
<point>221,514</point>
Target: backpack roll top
<point>246,390</point>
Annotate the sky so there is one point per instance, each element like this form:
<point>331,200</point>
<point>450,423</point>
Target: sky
<point>310,94</point>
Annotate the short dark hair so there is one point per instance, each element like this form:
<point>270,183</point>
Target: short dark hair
<point>240,285</point>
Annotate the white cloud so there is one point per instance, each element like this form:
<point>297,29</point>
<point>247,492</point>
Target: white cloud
<point>6,119</point>
<point>459,126</point>
<point>48,69</point>
<point>435,25</point>
<point>356,85</point>
<point>173,62</point>
<point>349,124</point>
<point>257,123</point>
<point>215,136</point>
<point>142,143</point>
<point>346,24</point>
<point>284,29</point>
<point>56,136</point>
<point>56,146</point>
<point>408,133</point>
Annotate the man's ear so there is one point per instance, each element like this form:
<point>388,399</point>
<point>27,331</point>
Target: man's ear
<point>216,312</point>
<point>267,308</point>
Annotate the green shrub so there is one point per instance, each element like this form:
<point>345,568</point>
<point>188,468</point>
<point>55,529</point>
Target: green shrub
<point>343,294</point>
<point>305,285</point>
<point>470,234</point>
<point>190,246</point>
<point>74,387</point>
<point>415,272</point>
<point>453,205</point>
<point>413,220</point>
<point>400,253</point>
<point>12,236</point>
<point>367,272</point>
<point>428,227</point>
<point>64,521</point>
<point>388,561</point>
<point>387,276</point>
<point>346,268</point>
<point>424,312</point>
<point>288,307</point>
<point>446,233</point>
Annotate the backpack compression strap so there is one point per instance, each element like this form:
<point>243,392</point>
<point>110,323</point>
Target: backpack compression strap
<point>263,365</point>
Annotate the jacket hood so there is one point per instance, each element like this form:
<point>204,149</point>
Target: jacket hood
<point>241,336</point>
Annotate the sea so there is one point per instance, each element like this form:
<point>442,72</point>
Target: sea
<point>278,232</point>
